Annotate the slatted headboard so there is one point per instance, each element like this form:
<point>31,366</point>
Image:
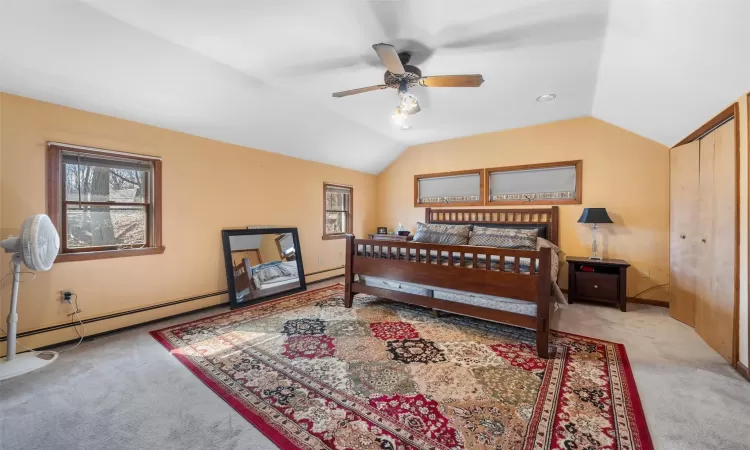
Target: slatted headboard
<point>545,219</point>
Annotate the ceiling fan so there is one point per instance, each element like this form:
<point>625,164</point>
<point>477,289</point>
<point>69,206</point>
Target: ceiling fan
<point>402,76</point>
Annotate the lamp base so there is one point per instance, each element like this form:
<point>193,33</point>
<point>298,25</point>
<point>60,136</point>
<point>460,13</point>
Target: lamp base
<point>595,258</point>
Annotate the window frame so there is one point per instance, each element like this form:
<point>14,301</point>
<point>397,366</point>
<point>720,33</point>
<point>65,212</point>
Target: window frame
<point>278,246</point>
<point>349,213</point>
<point>479,202</point>
<point>56,204</point>
<point>578,164</point>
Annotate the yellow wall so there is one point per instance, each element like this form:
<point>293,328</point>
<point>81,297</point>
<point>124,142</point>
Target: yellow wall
<point>207,186</point>
<point>269,250</point>
<point>622,171</point>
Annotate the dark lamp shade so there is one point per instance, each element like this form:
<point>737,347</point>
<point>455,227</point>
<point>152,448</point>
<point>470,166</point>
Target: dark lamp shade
<point>595,215</point>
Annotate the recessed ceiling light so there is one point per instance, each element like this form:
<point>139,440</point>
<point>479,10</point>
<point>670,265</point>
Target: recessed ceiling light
<point>546,98</point>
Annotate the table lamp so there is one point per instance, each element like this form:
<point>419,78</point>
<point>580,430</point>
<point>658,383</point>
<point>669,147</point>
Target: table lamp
<point>594,216</point>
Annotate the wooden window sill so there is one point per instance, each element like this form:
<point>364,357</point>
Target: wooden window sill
<point>328,237</point>
<point>106,254</point>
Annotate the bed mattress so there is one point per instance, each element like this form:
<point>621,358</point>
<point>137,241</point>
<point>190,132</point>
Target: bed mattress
<point>470,298</point>
<point>273,284</point>
<point>294,282</point>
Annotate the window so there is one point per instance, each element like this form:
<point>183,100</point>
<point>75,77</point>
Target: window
<point>285,245</point>
<point>337,210</point>
<point>460,188</point>
<point>104,204</point>
<point>540,184</point>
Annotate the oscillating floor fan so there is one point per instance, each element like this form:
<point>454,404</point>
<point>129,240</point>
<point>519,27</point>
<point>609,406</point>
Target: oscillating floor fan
<point>36,248</point>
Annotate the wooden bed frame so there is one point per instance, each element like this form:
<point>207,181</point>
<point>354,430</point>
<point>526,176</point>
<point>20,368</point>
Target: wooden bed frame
<point>535,286</point>
<point>243,278</point>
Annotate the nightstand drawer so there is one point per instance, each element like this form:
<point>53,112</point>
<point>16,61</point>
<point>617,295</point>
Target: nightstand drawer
<point>597,285</point>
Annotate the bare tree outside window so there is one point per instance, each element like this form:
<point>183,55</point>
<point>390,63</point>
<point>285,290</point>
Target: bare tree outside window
<point>106,202</point>
<point>337,214</point>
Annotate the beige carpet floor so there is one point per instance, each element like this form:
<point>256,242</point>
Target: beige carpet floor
<point>124,391</point>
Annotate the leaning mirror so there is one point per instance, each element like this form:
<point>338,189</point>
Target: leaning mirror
<point>261,264</point>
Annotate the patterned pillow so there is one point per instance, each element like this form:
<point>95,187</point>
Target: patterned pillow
<point>514,238</point>
<point>442,234</point>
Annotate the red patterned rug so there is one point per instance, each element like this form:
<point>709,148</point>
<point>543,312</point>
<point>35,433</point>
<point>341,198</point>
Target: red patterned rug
<point>311,374</point>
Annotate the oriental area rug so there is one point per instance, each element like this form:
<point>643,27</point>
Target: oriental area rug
<point>311,374</point>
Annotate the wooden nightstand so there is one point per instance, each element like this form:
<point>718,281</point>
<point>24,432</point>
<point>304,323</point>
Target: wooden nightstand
<point>390,237</point>
<point>605,283</point>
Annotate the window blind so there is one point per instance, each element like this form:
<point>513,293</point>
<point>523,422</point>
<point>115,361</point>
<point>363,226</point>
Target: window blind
<point>286,243</point>
<point>106,162</point>
<point>454,188</point>
<point>338,190</point>
<point>550,183</point>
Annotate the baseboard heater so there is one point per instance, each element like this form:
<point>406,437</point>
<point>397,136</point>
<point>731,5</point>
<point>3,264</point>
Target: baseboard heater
<point>63,326</point>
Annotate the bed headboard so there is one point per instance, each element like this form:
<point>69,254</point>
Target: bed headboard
<point>544,219</point>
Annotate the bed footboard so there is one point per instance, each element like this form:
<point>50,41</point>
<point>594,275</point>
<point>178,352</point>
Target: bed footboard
<point>462,268</point>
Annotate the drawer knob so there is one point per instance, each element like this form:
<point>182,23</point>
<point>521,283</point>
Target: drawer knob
<point>596,286</point>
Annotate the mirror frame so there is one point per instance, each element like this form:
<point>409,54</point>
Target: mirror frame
<point>232,292</point>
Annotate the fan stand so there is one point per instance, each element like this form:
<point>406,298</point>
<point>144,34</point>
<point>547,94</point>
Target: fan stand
<point>15,365</point>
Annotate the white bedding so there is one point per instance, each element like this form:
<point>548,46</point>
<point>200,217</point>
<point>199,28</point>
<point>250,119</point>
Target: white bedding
<point>277,283</point>
<point>243,293</point>
<point>276,272</point>
<point>487,301</point>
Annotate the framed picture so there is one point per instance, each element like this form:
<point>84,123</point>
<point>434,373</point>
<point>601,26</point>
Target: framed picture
<point>382,230</point>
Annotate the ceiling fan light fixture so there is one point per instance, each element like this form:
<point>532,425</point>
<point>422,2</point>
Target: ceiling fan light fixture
<point>546,98</point>
<point>400,75</point>
<point>399,116</point>
<point>409,102</point>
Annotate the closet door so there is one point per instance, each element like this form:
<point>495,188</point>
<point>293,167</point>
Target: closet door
<point>714,307</point>
<point>683,230</point>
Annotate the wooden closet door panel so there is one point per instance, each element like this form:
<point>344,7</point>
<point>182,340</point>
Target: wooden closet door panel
<point>714,320</point>
<point>683,230</point>
<point>704,250</point>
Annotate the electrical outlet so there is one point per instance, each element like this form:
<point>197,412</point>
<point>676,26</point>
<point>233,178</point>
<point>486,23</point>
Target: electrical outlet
<point>67,296</point>
<point>320,259</point>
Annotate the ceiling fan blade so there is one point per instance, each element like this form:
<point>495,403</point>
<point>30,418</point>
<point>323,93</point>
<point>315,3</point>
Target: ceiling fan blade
<point>389,56</point>
<point>359,91</point>
<point>452,81</point>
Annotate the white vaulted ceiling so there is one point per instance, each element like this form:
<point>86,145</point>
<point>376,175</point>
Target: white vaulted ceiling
<point>261,73</point>
<point>667,66</point>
